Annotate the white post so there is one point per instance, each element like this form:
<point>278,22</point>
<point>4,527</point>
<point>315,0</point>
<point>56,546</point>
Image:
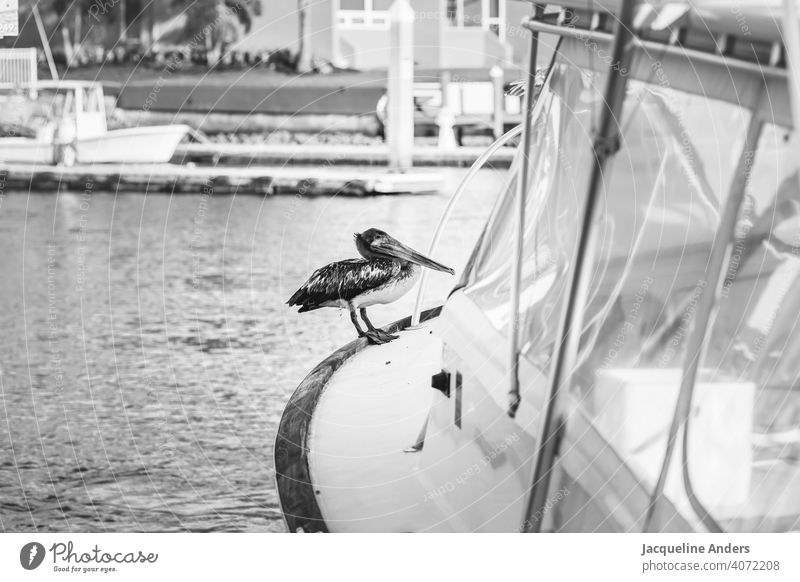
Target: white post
<point>446,119</point>
<point>446,122</point>
<point>400,128</point>
<point>45,43</point>
<point>496,74</point>
<point>792,42</point>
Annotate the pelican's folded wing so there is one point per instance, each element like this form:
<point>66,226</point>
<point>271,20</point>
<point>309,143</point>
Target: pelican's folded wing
<point>343,280</point>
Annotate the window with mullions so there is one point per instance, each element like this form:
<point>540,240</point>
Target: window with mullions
<point>364,13</point>
<point>487,14</point>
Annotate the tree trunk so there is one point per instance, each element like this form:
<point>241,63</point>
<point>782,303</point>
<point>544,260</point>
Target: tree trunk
<point>67,42</point>
<point>123,22</point>
<point>146,27</point>
<point>76,47</point>
<point>212,54</point>
<point>304,62</point>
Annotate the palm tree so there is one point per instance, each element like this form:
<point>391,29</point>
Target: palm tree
<point>220,19</point>
<point>123,21</point>
<point>74,11</point>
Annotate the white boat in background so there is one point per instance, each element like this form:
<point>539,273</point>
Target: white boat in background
<point>64,122</point>
<point>621,353</point>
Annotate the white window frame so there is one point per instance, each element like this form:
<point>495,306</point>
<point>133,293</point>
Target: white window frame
<point>486,21</point>
<point>369,18</point>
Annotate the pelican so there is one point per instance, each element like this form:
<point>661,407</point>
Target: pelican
<point>387,271</point>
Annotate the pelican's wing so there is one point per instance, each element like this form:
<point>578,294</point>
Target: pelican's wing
<point>343,280</point>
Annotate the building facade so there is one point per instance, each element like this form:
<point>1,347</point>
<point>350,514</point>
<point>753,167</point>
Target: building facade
<point>448,34</point>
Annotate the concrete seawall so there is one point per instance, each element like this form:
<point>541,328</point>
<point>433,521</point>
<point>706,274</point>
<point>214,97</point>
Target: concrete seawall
<point>215,122</point>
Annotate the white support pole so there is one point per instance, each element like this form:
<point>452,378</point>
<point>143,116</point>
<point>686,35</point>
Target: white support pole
<point>498,110</point>
<point>445,118</point>
<point>446,122</point>
<point>445,78</point>
<point>45,43</point>
<point>400,128</point>
<point>792,42</point>
<point>33,71</point>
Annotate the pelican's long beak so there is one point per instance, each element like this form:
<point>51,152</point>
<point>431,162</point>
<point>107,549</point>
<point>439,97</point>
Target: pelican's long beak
<point>394,248</point>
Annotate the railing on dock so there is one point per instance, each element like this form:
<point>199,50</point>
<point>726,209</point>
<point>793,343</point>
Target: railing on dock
<point>18,67</point>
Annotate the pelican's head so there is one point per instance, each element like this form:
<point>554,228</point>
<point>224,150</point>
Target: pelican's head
<point>376,244</point>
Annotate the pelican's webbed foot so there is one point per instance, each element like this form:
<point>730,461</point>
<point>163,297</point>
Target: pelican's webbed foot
<point>380,336</point>
<point>385,335</point>
<point>376,337</point>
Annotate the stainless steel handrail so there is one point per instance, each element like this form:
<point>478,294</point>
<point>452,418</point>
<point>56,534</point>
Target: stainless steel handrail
<point>792,42</point>
<point>519,226</point>
<point>606,143</point>
<point>451,204</point>
<point>659,48</point>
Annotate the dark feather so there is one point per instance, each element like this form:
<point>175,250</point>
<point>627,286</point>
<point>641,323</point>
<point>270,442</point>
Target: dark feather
<point>519,87</point>
<point>344,280</point>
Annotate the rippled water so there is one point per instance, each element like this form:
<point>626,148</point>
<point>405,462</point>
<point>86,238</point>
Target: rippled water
<point>146,352</point>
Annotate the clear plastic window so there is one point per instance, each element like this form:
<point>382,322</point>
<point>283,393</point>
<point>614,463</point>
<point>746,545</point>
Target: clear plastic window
<point>662,197</point>
<point>660,202</point>
<point>558,174</point>
<point>750,366</point>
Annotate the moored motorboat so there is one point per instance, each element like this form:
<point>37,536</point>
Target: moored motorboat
<point>65,122</point>
<point>620,352</point>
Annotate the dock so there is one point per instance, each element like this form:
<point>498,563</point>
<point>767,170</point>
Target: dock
<point>191,178</point>
<point>335,155</point>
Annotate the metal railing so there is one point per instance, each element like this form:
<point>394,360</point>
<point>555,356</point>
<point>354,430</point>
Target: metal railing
<point>605,144</point>
<point>451,204</point>
<point>18,66</point>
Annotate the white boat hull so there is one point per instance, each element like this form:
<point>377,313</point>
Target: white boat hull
<point>343,452</point>
<point>138,145</point>
<point>341,457</point>
<point>26,151</point>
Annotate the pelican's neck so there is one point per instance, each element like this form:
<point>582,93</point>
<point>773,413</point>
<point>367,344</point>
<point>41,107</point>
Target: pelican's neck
<point>364,250</point>
<point>407,266</point>
<point>404,265</point>
<point>412,269</point>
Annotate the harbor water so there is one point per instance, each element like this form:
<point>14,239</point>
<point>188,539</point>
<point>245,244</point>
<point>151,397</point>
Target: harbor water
<point>147,352</point>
